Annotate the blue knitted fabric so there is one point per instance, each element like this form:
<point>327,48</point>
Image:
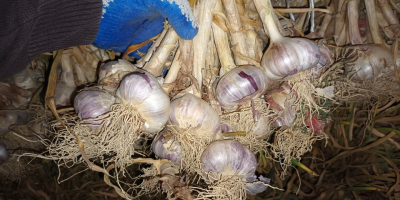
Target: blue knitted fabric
<point>127,22</point>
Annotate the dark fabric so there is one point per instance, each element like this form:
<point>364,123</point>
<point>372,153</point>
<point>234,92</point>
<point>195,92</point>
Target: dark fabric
<point>31,27</point>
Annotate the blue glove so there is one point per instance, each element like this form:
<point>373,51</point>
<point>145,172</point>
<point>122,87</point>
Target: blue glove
<point>127,22</point>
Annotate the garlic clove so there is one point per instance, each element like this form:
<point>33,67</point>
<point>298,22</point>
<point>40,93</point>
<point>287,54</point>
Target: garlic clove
<point>167,149</point>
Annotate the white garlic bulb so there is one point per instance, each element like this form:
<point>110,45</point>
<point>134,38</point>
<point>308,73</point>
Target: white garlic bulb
<point>189,111</point>
<point>230,157</point>
<point>240,85</point>
<point>111,73</point>
<point>144,93</point>
<point>371,59</point>
<point>167,149</point>
<point>285,56</point>
<point>90,104</point>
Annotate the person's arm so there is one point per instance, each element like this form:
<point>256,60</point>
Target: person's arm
<point>31,27</point>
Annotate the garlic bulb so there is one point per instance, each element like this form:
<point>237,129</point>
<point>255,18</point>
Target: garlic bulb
<point>92,103</point>
<point>230,157</point>
<point>240,85</point>
<point>5,148</point>
<point>189,111</point>
<point>167,149</point>
<point>10,117</point>
<point>144,93</point>
<point>370,61</point>
<point>284,56</point>
<point>111,73</point>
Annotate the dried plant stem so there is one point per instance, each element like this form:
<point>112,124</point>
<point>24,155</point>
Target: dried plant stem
<point>324,25</point>
<point>265,10</point>
<point>172,73</point>
<point>156,64</point>
<point>204,13</point>
<point>222,45</point>
<point>238,37</point>
<point>247,28</point>
<point>140,63</point>
<point>302,10</point>
<point>340,28</point>
<point>373,23</point>
<point>388,13</point>
<point>352,13</point>
<point>383,23</point>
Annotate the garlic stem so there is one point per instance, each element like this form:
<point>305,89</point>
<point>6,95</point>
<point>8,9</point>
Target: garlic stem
<point>340,28</point>
<point>352,13</point>
<point>238,39</point>
<point>373,23</point>
<point>324,25</point>
<point>388,13</point>
<point>156,64</point>
<point>266,12</point>
<point>205,9</point>
<point>382,22</point>
<point>222,45</point>
<point>302,10</point>
<point>172,73</point>
<point>140,63</point>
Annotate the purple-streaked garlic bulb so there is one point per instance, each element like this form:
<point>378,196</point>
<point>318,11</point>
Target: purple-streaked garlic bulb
<point>189,111</point>
<point>230,157</point>
<point>111,73</point>
<point>167,148</point>
<point>144,93</point>
<point>370,61</point>
<point>10,117</point>
<point>5,150</point>
<point>240,85</point>
<point>326,60</point>
<point>90,104</point>
<point>285,56</point>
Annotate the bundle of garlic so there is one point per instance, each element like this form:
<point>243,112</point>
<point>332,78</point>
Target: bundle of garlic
<point>110,123</point>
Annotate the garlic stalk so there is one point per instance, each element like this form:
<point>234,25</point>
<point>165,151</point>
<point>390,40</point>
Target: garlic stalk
<point>240,85</point>
<point>230,158</point>
<point>142,92</point>
<point>284,56</point>
<point>189,111</point>
<point>222,44</point>
<point>373,23</point>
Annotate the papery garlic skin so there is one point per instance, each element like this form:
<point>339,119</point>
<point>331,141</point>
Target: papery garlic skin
<point>144,93</point>
<point>230,157</point>
<point>167,149</point>
<point>111,73</point>
<point>189,111</point>
<point>325,61</point>
<point>240,85</point>
<point>287,56</point>
<point>370,62</point>
<point>93,103</point>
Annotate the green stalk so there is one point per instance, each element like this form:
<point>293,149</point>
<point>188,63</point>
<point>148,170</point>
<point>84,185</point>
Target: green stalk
<point>302,166</point>
<point>231,134</point>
